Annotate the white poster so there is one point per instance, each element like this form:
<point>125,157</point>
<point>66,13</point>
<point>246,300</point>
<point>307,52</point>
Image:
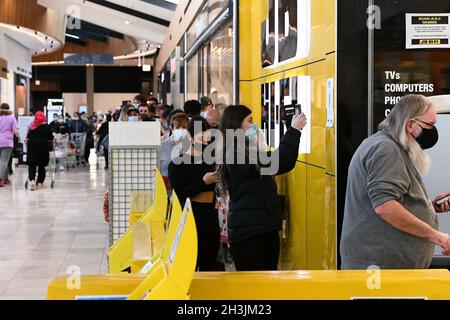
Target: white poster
<point>427,30</point>
<point>23,123</point>
<point>330,103</point>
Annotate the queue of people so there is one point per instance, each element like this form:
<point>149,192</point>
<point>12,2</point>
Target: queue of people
<point>389,220</point>
<point>248,192</point>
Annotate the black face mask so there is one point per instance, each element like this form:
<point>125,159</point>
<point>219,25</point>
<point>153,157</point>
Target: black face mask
<point>428,138</point>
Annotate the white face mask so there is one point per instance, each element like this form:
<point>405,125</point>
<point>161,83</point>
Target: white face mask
<point>179,134</point>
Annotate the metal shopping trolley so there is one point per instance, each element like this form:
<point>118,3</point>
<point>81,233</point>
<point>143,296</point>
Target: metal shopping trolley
<point>78,141</point>
<point>64,152</point>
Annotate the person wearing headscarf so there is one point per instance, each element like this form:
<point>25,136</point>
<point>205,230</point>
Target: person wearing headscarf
<point>39,141</point>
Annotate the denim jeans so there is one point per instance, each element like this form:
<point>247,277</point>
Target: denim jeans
<point>5,153</point>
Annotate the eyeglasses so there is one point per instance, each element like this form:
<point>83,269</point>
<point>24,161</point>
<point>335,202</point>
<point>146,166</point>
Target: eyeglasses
<point>427,123</point>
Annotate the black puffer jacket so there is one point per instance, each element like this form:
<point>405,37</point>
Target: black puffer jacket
<point>255,206</point>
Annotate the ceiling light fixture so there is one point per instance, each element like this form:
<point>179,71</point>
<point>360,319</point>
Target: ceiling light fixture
<point>145,67</point>
<point>72,36</point>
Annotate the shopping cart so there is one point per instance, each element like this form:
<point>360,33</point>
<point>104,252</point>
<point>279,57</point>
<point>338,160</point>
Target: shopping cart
<point>64,153</point>
<point>78,141</point>
<point>51,167</point>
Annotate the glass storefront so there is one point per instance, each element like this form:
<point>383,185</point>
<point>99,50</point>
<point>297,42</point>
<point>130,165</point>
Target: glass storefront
<point>221,68</point>
<point>209,70</point>
<point>192,78</point>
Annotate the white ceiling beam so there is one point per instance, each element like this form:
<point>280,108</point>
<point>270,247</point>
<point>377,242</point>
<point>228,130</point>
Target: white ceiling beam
<point>146,7</point>
<point>110,19</point>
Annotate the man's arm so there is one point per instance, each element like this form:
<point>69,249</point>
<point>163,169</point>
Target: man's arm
<point>400,218</point>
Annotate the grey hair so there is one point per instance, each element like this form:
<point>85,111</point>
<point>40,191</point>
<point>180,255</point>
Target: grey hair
<point>409,107</point>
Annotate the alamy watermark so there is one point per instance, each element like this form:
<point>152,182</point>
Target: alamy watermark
<point>73,14</point>
<point>374,278</point>
<point>374,17</point>
<point>213,148</point>
<point>74,279</point>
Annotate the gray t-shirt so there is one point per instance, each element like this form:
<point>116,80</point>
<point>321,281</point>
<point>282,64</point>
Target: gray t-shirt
<point>166,152</point>
<point>381,170</point>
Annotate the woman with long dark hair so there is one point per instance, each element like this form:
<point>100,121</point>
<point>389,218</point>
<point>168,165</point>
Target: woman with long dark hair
<point>39,139</point>
<point>191,177</point>
<point>255,207</point>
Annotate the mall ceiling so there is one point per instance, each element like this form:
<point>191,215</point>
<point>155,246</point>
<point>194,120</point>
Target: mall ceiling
<point>142,19</point>
<point>126,29</point>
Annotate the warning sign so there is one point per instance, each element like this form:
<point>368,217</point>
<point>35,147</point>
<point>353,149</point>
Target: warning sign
<point>427,30</point>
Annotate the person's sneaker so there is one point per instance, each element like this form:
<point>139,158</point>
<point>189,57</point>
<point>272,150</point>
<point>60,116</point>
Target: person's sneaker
<point>6,182</point>
<point>40,186</point>
<point>32,185</point>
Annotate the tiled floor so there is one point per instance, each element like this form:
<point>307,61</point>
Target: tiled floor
<point>44,232</point>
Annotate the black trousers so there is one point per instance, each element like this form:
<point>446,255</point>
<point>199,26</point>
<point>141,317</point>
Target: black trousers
<point>32,172</point>
<point>259,252</point>
<point>106,155</point>
<point>208,233</point>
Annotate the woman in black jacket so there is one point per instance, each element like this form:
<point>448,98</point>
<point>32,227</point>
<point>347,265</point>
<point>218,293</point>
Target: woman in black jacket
<point>255,207</point>
<point>39,140</point>
<point>193,177</point>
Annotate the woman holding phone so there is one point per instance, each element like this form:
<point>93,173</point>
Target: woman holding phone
<point>192,178</point>
<point>255,207</point>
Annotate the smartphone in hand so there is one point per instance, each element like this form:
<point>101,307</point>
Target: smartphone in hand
<point>442,200</point>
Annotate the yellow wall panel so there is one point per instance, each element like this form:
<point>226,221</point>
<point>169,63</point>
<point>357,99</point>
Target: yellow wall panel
<point>251,15</point>
<point>318,31</point>
<point>317,71</point>
<point>293,249</point>
<point>331,132</point>
<point>310,192</point>
<point>331,25</point>
<point>245,32</point>
<point>329,259</point>
<point>316,232</point>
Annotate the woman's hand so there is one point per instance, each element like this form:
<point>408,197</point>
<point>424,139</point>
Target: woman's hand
<point>210,178</point>
<point>299,121</point>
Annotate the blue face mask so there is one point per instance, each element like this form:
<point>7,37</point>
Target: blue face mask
<point>179,134</point>
<point>252,131</point>
<point>202,114</point>
<point>133,119</point>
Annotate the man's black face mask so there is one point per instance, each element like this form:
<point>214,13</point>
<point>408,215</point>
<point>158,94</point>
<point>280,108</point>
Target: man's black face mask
<point>428,138</point>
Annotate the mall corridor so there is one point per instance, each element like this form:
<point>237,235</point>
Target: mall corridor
<point>44,232</point>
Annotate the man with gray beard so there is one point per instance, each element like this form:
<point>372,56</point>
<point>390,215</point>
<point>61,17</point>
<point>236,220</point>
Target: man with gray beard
<point>389,221</point>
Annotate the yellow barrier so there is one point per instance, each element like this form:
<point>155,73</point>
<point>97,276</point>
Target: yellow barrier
<point>281,285</point>
<point>169,277</point>
<point>174,219</point>
<point>140,202</point>
<point>120,255</point>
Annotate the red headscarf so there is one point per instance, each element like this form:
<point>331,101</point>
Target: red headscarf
<point>39,120</point>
